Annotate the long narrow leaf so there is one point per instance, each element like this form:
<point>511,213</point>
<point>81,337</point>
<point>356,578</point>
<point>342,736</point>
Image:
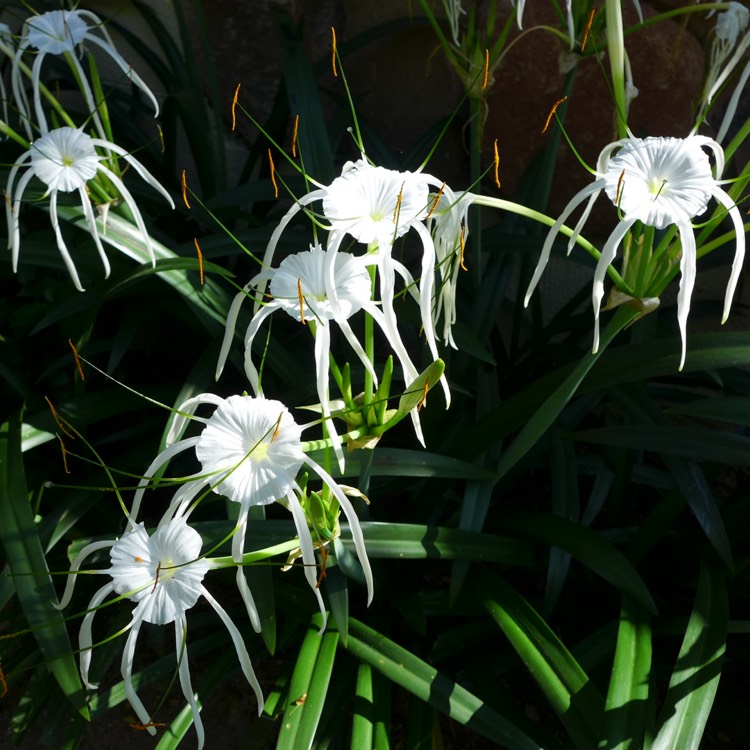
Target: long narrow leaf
<point>627,699</point>
<point>695,678</point>
<point>568,689</point>
<point>28,568</point>
<point>407,670</point>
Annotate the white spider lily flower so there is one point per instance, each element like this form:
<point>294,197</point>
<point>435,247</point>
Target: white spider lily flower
<point>62,32</point>
<point>250,452</point>
<point>300,287</point>
<point>376,206</point>
<point>728,49</point>
<point>163,574</point>
<point>65,159</point>
<point>659,182</point>
<point>449,226</point>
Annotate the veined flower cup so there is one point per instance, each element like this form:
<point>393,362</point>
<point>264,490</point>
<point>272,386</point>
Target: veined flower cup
<point>65,160</point>
<point>62,32</point>
<point>163,574</point>
<point>250,452</point>
<point>659,182</point>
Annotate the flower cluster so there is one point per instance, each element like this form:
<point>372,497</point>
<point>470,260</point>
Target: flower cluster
<point>67,158</point>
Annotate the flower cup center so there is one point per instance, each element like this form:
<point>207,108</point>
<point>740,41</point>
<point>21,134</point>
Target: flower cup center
<point>166,571</point>
<point>257,451</point>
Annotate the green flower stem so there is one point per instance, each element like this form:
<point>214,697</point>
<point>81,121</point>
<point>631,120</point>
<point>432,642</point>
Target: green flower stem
<point>530,213</point>
<point>250,558</point>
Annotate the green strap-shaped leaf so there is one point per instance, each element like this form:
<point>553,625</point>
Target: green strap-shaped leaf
<point>695,678</point>
<point>585,545</point>
<point>363,714</point>
<point>568,689</point>
<point>308,689</point>
<point>417,541</point>
<point>627,698</point>
<point>409,671</point>
<point>28,568</point>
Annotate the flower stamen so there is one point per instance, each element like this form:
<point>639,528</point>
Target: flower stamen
<point>424,394</point>
<point>620,186</point>
<point>588,29</point>
<point>294,136</point>
<point>184,189</point>
<point>156,579</point>
<point>398,204</point>
<point>301,301</point>
<point>333,52</point>
<point>552,112</point>
<point>486,69</point>
<point>462,246</point>
<point>78,361</point>
<point>436,201</point>
<point>200,258</point>
<point>273,175</point>
<point>497,165</point>
<point>234,106</point>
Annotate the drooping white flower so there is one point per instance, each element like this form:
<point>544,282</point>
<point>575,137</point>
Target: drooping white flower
<point>250,451</point>
<point>659,182</point>
<point>65,159</point>
<point>300,286</point>
<point>163,574</point>
<point>731,42</point>
<point>62,32</point>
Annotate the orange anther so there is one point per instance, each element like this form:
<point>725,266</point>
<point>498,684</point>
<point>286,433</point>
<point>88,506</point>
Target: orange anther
<point>184,189</point>
<point>588,29</point>
<point>277,428</point>
<point>78,361</point>
<point>462,244</point>
<point>398,204</point>
<point>552,112</point>
<point>497,165</point>
<point>294,136</point>
<point>436,201</point>
<point>486,69</point>
<point>333,52</point>
<point>273,175</point>
<point>301,302</point>
<point>234,106</point>
<point>200,258</point>
<point>424,395</point>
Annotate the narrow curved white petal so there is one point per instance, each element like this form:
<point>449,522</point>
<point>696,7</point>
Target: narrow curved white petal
<point>185,413</point>
<point>180,639</point>
<point>605,261</point>
<point>351,516</point>
<point>239,646</point>
<point>687,282</point>
<point>238,549</point>
<point>85,640</point>
<point>126,669</point>
<point>308,552</point>
<point>76,565</point>
<point>167,454</point>
<point>574,202</point>
<point>739,253</point>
